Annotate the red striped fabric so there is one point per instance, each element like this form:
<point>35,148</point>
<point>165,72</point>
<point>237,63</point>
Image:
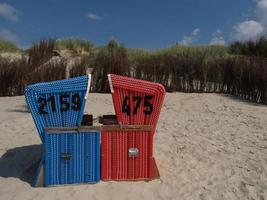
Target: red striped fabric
<point>116,164</point>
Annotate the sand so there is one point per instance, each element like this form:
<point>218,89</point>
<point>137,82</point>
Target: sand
<point>207,146</point>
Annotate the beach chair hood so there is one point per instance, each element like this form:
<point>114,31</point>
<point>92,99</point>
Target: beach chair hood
<point>58,103</point>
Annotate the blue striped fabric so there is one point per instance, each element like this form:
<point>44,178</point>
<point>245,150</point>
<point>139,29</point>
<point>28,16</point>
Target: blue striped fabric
<point>82,164</point>
<point>54,94</point>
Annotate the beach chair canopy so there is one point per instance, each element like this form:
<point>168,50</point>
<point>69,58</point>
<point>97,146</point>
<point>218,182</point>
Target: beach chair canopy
<point>58,103</point>
<point>136,101</point>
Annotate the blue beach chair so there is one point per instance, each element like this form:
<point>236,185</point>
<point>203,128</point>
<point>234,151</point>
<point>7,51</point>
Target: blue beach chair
<point>72,151</point>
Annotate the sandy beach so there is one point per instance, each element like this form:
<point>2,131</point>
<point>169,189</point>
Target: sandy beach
<point>207,146</point>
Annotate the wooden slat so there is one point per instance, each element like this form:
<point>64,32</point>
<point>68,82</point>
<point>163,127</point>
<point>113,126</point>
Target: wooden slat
<point>127,127</point>
<point>53,130</point>
<point>108,120</point>
<point>39,182</point>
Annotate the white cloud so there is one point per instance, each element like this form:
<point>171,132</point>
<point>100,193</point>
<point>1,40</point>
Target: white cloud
<point>9,12</point>
<point>92,16</point>
<point>262,11</point>
<point>217,39</point>
<point>195,32</point>
<point>253,29</point>
<point>8,35</point>
<point>248,30</point>
<point>189,39</point>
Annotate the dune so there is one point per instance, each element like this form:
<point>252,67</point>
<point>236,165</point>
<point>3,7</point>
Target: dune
<point>207,146</point>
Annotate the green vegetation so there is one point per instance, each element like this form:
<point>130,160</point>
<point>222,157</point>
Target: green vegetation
<point>239,69</point>
<point>15,75</point>
<point>74,44</point>
<point>211,50</point>
<point>7,46</point>
<point>251,48</point>
<point>111,59</point>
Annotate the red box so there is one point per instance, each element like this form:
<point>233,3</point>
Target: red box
<point>127,153</point>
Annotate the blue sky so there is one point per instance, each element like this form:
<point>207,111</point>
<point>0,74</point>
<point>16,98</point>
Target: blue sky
<point>136,23</point>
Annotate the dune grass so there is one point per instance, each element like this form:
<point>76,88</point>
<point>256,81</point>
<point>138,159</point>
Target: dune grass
<point>240,70</point>
<point>74,44</point>
<point>252,47</point>
<point>7,46</point>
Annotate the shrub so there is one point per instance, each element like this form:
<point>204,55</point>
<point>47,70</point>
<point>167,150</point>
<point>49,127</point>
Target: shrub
<point>41,52</point>
<point>112,59</point>
<point>251,47</point>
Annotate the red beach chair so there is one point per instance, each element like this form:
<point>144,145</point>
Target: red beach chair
<point>127,150</point>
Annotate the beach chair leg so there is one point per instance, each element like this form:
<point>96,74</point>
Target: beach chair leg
<point>39,181</point>
<point>156,174</point>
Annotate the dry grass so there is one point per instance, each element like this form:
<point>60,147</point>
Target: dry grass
<point>179,68</point>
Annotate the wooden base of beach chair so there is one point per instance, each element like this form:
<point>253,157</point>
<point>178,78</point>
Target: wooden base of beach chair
<point>156,174</point>
<point>39,181</point>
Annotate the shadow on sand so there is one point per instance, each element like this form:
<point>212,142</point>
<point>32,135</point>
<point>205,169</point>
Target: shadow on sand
<point>20,109</point>
<point>21,162</point>
<point>239,99</point>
